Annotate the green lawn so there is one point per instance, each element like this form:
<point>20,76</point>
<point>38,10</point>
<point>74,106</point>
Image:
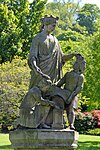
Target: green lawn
<point>4,142</point>
<point>86,142</point>
<point>89,142</point>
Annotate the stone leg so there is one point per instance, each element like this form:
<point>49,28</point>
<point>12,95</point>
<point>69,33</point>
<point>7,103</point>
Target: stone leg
<point>41,114</point>
<point>70,115</point>
<point>71,118</point>
<point>49,119</point>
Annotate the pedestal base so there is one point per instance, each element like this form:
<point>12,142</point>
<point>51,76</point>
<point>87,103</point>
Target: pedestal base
<point>43,139</point>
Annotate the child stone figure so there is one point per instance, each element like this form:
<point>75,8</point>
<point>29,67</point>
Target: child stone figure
<point>73,82</point>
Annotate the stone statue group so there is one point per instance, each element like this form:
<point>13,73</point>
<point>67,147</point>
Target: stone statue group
<point>50,94</point>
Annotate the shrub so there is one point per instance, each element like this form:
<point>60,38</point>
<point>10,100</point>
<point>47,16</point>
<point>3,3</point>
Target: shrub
<point>85,121</point>
<point>96,114</point>
<point>14,85</point>
<point>95,131</point>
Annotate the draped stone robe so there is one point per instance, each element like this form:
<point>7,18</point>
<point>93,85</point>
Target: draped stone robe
<point>48,54</point>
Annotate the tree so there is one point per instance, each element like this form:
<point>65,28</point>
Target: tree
<point>87,17</point>
<point>65,10</point>
<point>20,21</point>
<point>8,33</point>
<point>92,84</point>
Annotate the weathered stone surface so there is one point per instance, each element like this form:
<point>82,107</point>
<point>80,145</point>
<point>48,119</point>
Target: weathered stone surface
<point>40,139</point>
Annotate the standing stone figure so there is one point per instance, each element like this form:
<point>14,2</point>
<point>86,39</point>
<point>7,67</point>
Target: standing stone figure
<point>73,83</point>
<point>45,60</point>
<point>46,57</point>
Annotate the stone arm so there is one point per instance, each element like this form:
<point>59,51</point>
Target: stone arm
<point>33,58</point>
<point>61,82</point>
<point>37,70</point>
<point>67,57</point>
<point>34,97</point>
<point>48,102</point>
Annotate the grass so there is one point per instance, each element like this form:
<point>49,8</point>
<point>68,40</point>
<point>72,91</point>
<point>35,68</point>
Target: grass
<point>86,142</point>
<point>4,142</point>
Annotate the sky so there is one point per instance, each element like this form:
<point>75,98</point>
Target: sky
<point>97,2</point>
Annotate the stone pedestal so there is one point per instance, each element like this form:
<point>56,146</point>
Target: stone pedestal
<point>43,139</point>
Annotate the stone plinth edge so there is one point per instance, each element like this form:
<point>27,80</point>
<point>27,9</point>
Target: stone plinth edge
<point>43,139</point>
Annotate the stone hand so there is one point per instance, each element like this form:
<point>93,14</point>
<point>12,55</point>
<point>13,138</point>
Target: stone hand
<point>54,105</point>
<point>77,54</point>
<point>51,103</point>
<point>45,76</point>
<point>47,102</point>
<point>38,70</point>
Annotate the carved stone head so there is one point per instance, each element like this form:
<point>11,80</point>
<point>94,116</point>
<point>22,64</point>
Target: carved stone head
<point>47,20</point>
<point>44,84</point>
<point>80,64</point>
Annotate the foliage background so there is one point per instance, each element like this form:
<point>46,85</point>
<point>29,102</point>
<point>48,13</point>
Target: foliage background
<point>78,31</point>
<point>14,81</point>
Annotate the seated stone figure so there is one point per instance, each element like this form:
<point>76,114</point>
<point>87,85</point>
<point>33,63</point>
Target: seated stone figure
<point>73,83</point>
<point>43,106</point>
<point>34,108</point>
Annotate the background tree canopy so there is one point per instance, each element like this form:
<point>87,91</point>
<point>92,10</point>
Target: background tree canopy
<point>19,22</point>
<point>78,31</point>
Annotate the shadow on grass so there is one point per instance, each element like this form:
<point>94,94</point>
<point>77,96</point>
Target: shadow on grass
<point>89,145</point>
<point>8,147</point>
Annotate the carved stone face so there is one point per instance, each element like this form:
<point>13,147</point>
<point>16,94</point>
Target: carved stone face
<point>44,85</point>
<point>79,66</point>
<point>51,27</point>
<point>82,66</point>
